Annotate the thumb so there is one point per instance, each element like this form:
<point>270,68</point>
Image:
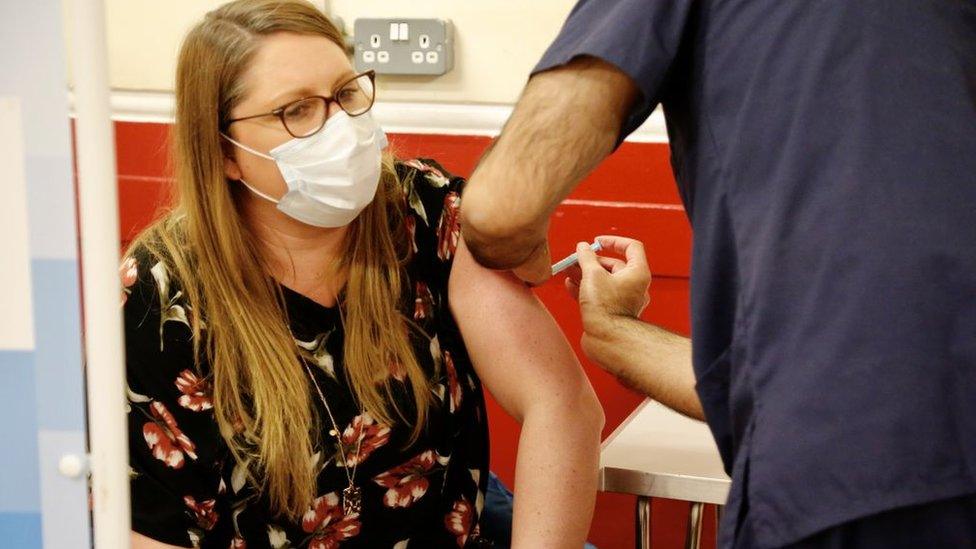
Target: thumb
<point>588,261</point>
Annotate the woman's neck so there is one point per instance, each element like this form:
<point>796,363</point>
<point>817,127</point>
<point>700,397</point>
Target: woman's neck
<point>301,257</point>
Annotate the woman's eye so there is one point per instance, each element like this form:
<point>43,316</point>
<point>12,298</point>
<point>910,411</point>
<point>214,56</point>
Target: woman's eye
<point>347,94</point>
<point>297,111</point>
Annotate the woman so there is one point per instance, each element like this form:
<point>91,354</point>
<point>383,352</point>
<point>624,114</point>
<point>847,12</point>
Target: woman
<point>307,334</point>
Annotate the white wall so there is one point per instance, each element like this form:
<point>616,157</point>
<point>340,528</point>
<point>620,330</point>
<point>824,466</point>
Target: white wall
<point>496,43</point>
<point>17,320</point>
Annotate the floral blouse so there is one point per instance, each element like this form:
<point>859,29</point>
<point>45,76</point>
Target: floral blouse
<point>188,491</point>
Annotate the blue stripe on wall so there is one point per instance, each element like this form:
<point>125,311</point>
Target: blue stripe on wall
<point>20,530</point>
<point>57,332</point>
<point>19,476</point>
<point>44,389</point>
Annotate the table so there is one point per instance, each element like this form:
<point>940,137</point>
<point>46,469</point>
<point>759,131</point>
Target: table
<point>659,453</point>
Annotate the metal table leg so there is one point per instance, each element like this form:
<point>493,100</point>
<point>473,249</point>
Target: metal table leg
<point>643,523</point>
<point>695,515</point>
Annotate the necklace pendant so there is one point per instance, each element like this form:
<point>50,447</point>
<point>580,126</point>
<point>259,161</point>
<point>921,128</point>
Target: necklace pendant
<point>352,500</point>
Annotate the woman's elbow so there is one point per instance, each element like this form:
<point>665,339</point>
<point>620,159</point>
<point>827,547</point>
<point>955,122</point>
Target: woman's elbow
<point>591,412</point>
<point>581,413</point>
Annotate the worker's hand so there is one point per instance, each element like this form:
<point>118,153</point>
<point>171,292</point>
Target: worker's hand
<point>608,288</point>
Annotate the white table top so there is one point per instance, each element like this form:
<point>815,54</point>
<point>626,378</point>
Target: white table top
<point>657,452</point>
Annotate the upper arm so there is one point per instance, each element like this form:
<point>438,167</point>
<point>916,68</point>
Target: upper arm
<point>566,122</point>
<point>597,82</point>
<point>638,37</point>
<point>173,438</point>
<point>515,345</point>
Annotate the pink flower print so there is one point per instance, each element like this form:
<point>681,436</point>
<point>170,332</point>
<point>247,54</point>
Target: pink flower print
<point>434,176</point>
<point>415,164</point>
<point>423,303</point>
<point>326,520</point>
<point>398,370</point>
<point>128,272</point>
<point>411,224</point>
<point>408,482</point>
<point>449,230</point>
<point>165,439</point>
<point>203,512</point>
<point>458,520</point>
<point>366,434</point>
<point>452,382</point>
<point>196,391</point>
<point>162,445</point>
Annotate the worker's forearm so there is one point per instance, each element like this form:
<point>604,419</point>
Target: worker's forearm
<point>649,359</point>
<point>566,122</point>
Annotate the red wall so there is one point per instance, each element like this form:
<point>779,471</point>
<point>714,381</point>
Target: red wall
<point>632,193</point>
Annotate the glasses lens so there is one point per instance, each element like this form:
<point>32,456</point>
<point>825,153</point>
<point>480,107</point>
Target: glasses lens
<point>356,96</point>
<point>305,117</point>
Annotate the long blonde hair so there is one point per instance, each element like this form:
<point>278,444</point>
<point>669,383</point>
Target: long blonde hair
<point>261,393</point>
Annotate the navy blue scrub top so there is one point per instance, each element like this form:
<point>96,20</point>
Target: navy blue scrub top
<point>826,156</point>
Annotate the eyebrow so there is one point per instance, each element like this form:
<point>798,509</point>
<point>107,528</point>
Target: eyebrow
<point>286,97</point>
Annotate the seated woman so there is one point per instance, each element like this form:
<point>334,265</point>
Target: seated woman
<point>307,335</point>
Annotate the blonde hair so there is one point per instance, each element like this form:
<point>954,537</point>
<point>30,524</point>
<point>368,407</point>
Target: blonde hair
<point>262,397</point>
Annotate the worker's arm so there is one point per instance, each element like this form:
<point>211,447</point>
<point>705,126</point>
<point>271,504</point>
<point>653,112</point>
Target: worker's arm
<point>612,293</point>
<point>568,120</point>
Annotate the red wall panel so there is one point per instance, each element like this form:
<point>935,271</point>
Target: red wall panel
<point>142,150</point>
<point>140,200</point>
<point>636,172</point>
<point>663,229</point>
<point>631,194</point>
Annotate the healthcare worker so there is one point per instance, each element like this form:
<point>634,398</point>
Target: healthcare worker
<point>826,155</point>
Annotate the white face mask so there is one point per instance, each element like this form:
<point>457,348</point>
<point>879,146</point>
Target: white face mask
<point>332,175</point>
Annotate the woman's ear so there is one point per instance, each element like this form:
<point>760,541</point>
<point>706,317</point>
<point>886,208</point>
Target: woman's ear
<point>231,169</point>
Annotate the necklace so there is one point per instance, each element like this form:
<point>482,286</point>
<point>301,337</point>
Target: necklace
<point>352,496</point>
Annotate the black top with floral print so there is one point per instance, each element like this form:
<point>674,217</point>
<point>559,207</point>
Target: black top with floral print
<point>188,491</point>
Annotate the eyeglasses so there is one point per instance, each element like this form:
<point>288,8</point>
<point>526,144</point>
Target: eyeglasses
<point>306,116</point>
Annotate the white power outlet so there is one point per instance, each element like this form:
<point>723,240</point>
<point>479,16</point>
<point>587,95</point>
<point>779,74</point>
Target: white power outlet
<point>404,46</point>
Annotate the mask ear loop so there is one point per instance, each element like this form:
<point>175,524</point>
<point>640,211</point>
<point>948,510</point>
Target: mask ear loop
<point>254,152</point>
<point>245,147</point>
<point>259,193</point>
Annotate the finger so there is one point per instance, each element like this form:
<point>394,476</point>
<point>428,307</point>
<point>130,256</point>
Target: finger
<point>575,274</point>
<point>537,269</point>
<point>612,264</point>
<point>573,288</point>
<point>630,248</point>
<point>588,260</point>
